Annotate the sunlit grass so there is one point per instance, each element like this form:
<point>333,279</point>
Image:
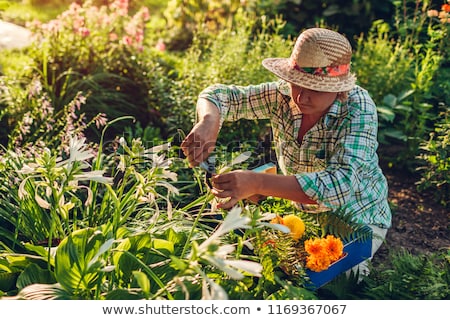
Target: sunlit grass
<point>14,62</point>
<point>20,13</point>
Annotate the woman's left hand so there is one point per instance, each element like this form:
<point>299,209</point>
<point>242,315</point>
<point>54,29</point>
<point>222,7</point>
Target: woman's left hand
<point>235,185</point>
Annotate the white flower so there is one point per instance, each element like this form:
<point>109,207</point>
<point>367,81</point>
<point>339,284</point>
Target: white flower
<point>218,258</point>
<point>78,150</point>
<point>251,267</point>
<point>276,226</point>
<point>232,221</point>
<point>28,168</point>
<point>96,175</point>
<point>215,291</point>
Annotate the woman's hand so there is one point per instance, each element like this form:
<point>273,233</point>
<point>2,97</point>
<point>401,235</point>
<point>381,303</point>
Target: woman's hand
<point>235,185</point>
<point>199,143</point>
<point>239,184</point>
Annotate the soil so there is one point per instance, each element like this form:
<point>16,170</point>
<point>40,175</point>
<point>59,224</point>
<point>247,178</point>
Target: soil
<point>419,224</point>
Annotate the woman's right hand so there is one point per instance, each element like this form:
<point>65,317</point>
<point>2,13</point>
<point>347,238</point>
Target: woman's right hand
<point>199,143</point>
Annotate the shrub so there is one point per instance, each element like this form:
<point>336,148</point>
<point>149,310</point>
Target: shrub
<point>435,175</point>
<point>102,52</point>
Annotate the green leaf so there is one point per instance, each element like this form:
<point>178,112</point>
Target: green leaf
<point>178,264</point>
<point>404,94</point>
<point>143,281</point>
<point>44,292</point>
<point>122,294</point>
<point>8,280</point>
<point>404,108</point>
<point>76,263</point>
<point>34,274</point>
<point>390,100</point>
<point>137,245</point>
<point>163,245</point>
<point>386,113</point>
<point>396,134</point>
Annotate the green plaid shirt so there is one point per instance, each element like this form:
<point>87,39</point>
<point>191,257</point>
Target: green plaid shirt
<point>336,164</point>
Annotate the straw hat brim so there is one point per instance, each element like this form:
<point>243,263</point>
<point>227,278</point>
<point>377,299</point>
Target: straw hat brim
<point>281,67</point>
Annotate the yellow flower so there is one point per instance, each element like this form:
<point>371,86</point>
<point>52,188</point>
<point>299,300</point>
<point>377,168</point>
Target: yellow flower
<point>294,223</point>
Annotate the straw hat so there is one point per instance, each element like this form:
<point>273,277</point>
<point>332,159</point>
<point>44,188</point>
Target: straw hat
<point>320,61</point>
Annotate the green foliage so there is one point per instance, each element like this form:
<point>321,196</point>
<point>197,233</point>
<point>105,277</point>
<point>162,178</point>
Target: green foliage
<point>102,52</point>
<point>78,261</point>
<point>350,17</point>
<point>342,225</point>
<point>435,175</point>
<point>382,64</point>
<point>400,67</point>
<point>21,12</point>
<point>387,111</point>
<point>411,277</point>
<point>33,119</point>
<point>233,56</point>
<point>404,277</point>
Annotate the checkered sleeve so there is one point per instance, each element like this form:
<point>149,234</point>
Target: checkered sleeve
<point>242,102</point>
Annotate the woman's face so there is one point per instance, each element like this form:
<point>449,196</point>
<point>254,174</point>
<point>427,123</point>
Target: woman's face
<point>310,101</point>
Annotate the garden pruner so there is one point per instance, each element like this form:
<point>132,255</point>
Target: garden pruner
<point>209,165</point>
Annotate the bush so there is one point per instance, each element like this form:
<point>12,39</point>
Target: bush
<point>435,175</point>
<point>102,52</point>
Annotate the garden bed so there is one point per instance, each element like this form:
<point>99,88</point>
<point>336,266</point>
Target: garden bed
<point>419,224</point>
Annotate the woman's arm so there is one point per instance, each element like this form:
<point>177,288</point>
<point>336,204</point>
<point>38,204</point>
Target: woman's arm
<point>239,184</point>
<point>200,142</point>
<point>225,102</point>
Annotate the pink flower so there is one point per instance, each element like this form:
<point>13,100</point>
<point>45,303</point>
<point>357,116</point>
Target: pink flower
<point>52,26</point>
<point>101,120</point>
<point>160,46</point>
<point>139,37</point>
<point>113,36</point>
<point>432,13</point>
<point>84,32</point>
<point>144,14</point>
<point>127,40</point>
<point>121,6</point>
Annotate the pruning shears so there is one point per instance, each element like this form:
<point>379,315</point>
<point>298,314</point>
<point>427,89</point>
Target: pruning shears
<point>209,165</point>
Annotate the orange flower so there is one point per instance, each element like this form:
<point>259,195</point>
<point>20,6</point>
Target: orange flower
<point>445,7</point>
<point>317,263</point>
<point>277,219</point>
<point>432,13</point>
<point>334,247</point>
<point>313,246</point>
<point>322,252</point>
